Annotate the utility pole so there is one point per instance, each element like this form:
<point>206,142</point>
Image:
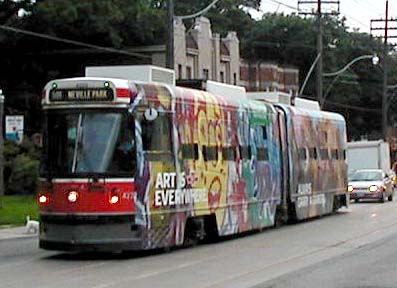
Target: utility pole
<point>319,74</point>
<point>319,12</point>
<point>385,57</point>
<point>170,35</point>
<point>1,149</point>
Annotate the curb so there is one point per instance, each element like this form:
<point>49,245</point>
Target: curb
<point>8,232</point>
<point>20,237</point>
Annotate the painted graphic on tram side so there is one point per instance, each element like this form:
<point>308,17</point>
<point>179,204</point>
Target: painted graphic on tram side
<point>235,166</point>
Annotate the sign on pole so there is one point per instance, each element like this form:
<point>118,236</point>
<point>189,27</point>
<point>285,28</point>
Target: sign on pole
<point>14,128</point>
<point>1,150</point>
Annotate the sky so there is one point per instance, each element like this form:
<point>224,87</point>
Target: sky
<point>358,13</point>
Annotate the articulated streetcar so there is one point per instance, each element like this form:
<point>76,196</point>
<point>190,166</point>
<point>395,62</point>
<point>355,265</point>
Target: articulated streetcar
<point>129,165</point>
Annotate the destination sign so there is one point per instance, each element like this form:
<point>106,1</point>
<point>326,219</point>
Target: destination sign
<point>81,95</point>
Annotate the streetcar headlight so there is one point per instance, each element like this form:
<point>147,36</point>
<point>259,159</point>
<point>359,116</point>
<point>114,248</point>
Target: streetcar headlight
<point>43,199</point>
<point>114,199</point>
<point>373,188</point>
<point>350,188</point>
<point>73,196</point>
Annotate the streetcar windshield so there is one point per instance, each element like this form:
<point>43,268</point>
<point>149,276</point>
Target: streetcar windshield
<point>88,142</point>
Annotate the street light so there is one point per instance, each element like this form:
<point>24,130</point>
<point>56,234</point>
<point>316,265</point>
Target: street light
<point>309,73</point>
<point>374,59</point>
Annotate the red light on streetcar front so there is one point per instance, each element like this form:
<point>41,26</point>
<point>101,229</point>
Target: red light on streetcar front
<point>123,92</point>
<point>43,199</point>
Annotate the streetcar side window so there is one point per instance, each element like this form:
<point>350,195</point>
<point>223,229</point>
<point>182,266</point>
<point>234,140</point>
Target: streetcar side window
<point>341,154</point>
<point>324,154</point>
<point>124,156</point>
<point>313,153</point>
<point>264,133</point>
<point>228,154</point>
<point>245,152</point>
<point>156,138</point>
<point>335,155</point>
<point>210,153</point>
<point>189,151</point>
<point>302,154</point>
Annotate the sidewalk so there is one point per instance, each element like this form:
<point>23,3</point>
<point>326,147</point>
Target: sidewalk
<point>7,233</point>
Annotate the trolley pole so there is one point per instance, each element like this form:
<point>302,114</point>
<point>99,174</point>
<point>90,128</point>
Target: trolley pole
<point>170,35</point>
<point>1,149</point>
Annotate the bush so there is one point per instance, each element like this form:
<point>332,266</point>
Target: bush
<point>21,168</point>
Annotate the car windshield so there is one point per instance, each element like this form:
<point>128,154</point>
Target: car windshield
<point>366,176</point>
<point>88,142</point>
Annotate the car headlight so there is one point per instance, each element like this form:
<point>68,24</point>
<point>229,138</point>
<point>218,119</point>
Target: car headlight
<point>350,188</point>
<point>373,188</point>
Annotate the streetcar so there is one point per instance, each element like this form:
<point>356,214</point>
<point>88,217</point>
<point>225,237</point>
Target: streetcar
<point>132,165</point>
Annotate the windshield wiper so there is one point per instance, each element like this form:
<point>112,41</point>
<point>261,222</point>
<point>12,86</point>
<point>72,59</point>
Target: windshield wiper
<point>79,149</point>
<point>78,142</point>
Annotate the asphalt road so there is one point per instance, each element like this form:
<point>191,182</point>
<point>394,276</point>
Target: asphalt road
<point>354,248</point>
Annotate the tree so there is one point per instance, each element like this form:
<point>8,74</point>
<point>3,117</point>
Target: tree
<point>106,23</point>
<point>32,61</point>
<point>225,15</point>
<point>291,40</point>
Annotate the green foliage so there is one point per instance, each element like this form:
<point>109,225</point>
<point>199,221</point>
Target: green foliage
<point>106,23</point>
<point>225,15</point>
<point>21,169</point>
<point>284,39</point>
<point>15,209</point>
<point>291,40</point>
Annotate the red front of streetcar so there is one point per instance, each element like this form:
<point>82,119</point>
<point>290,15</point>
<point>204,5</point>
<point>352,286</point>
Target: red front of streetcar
<point>113,196</point>
<point>87,196</point>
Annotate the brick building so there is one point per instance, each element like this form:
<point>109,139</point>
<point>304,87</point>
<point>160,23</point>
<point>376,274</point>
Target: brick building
<point>261,76</point>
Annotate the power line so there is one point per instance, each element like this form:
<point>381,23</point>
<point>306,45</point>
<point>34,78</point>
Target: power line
<point>73,42</point>
<point>357,21</point>
<point>285,5</point>
<point>205,10</point>
<point>282,44</point>
<point>369,6</point>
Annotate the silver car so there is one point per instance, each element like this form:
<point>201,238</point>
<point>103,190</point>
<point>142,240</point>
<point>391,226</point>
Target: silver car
<point>370,184</point>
